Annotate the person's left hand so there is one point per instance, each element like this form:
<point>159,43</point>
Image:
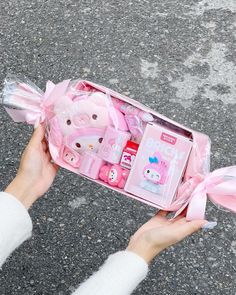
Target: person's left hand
<point>160,232</point>
<point>36,171</point>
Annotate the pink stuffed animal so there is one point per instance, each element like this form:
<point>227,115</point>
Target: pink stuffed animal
<point>156,170</point>
<point>85,139</point>
<point>114,175</point>
<point>97,111</point>
<point>91,110</point>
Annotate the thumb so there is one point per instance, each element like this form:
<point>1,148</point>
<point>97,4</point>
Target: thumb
<point>38,135</point>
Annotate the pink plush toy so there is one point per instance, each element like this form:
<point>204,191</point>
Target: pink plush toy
<point>91,110</point>
<point>156,170</point>
<point>114,175</point>
<point>85,139</point>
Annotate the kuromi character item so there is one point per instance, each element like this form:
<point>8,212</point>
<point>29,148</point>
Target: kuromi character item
<point>113,144</point>
<point>114,175</point>
<point>72,106</point>
<point>159,165</point>
<point>91,165</point>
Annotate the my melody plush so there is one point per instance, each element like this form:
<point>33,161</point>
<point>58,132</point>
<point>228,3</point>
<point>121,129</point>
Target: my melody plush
<point>121,144</point>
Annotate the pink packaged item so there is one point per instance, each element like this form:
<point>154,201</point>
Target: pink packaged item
<point>90,165</point>
<point>159,165</point>
<point>88,126</point>
<point>129,154</point>
<point>113,144</point>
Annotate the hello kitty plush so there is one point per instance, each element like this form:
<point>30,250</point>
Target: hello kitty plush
<point>85,139</point>
<point>114,175</point>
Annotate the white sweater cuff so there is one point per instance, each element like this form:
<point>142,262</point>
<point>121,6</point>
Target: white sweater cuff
<point>15,225</point>
<point>120,275</point>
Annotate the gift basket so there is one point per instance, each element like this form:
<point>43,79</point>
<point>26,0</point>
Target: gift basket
<point>121,144</point>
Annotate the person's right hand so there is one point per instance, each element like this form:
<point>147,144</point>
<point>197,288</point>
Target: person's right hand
<point>159,233</point>
<point>36,172</point>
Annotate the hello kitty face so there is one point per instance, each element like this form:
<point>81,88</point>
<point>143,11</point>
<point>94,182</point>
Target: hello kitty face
<point>87,139</point>
<point>152,175</point>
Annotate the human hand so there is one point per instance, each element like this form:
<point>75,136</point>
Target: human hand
<point>159,233</point>
<point>36,172</point>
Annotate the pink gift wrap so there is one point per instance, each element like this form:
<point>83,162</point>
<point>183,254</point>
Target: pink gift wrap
<point>77,115</point>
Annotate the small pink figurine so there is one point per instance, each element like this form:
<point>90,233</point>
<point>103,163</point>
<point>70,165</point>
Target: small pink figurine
<point>156,170</point>
<point>114,175</point>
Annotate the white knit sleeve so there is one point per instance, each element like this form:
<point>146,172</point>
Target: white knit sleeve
<point>15,225</point>
<point>120,275</point>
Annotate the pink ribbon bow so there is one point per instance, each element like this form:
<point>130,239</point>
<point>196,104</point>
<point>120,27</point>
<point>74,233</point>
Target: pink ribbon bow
<point>31,106</point>
<point>219,186</point>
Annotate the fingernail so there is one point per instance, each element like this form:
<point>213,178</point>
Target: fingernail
<point>36,124</point>
<point>209,225</point>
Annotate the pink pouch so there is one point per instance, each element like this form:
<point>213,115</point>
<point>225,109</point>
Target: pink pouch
<point>91,164</point>
<point>77,115</point>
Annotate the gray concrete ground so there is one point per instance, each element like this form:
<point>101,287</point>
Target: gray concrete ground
<point>177,57</point>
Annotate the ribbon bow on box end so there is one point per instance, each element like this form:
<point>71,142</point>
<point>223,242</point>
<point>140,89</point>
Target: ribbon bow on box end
<point>27,103</point>
<point>219,186</point>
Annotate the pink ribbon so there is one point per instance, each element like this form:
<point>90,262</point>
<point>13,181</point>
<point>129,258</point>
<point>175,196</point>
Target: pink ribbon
<point>38,111</point>
<point>219,186</point>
